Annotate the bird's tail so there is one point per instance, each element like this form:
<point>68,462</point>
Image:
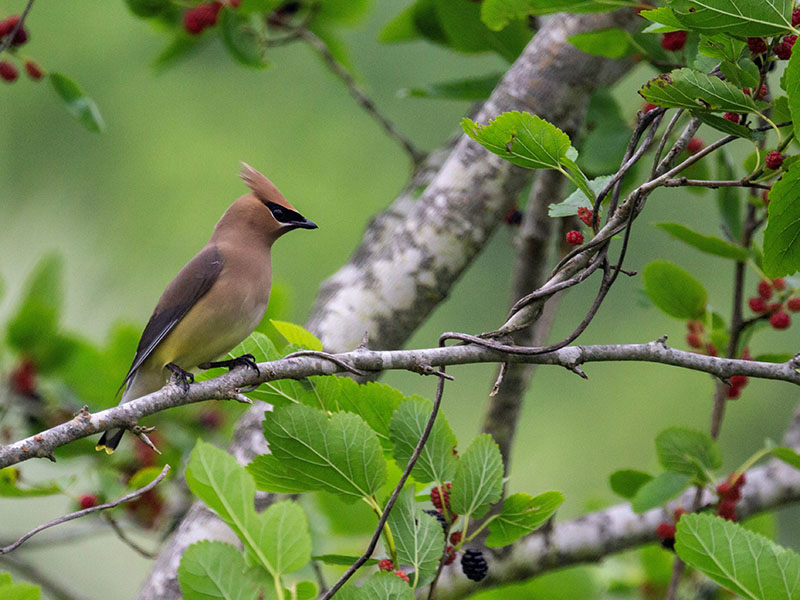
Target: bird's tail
<point>110,440</point>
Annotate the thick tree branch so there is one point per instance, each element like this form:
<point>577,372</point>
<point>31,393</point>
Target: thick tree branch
<point>85,424</point>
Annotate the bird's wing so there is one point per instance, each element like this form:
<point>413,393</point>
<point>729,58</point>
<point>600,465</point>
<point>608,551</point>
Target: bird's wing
<point>191,283</point>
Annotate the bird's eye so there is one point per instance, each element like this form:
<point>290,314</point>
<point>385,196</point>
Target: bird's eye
<point>277,213</point>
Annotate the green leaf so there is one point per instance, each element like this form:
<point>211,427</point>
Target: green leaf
<point>661,16</point>
<point>612,42</point>
<point>147,8</point>
<point>728,201</point>
<point>705,243</point>
<point>375,403</point>
<point>379,586</point>
<point>791,85</point>
<point>436,460</point>
<point>674,291</point>
<point>743,74</point>
<point>722,47</point>
<point>270,475</point>
<point>746,563</point>
<point>498,13</point>
<point>745,18</point>
<point>681,450</point>
<point>418,537</point>
<point>402,28</point>
<point>627,482</point>
<point>143,476</point>
<point>215,571</point>
<point>782,235</point>
<point>278,538</point>
<point>725,126</point>
<point>342,560</point>
<point>180,47</point>
<point>693,90</point>
<point>342,12</point>
<point>522,138</point>
<point>607,135</point>
<point>241,38</point>
<point>78,104</point>
<point>340,454</point>
<point>578,199</point>
<point>520,515</point>
<point>659,490</point>
<point>302,590</point>
<point>787,455</point>
<point>478,481</point>
<point>11,488</point>
<point>471,88</point>
<point>18,591</point>
<point>297,335</point>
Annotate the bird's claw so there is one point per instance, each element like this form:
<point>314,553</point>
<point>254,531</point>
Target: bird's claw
<point>181,377</point>
<point>245,360</point>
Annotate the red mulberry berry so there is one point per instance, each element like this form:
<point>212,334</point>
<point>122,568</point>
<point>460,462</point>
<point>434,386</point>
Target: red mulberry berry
<point>757,305</point>
<point>455,537</point>
<point>8,71</point>
<point>648,107</point>
<point>436,496</point>
<point>402,575</point>
<point>793,304</point>
<point>739,380</point>
<point>765,289</point>
<point>586,215</point>
<point>385,564</point>
<point>774,160</point>
<point>674,40</point>
<point>779,284</point>
<point>796,17</point>
<point>780,320</point>
<point>451,556</point>
<point>784,49</point>
<point>732,117</point>
<point>473,564</point>
<point>693,340</point>
<point>757,45</point>
<point>695,145</point>
<point>695,326</point>
<point>711,350</point>
<point>574,238</point>
<point>8,26</point>
<point>727,510</point>
<point>88,501</point>
<point>34,71</point>
<point>23,379</point>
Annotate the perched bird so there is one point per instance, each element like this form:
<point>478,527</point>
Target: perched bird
<point>216,300</point>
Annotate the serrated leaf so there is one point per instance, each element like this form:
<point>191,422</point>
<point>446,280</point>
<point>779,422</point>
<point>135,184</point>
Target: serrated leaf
<point>746,18</point>
<point>790,82</point>
<point>659,490</point>
<point>705,243</point>
<point>271,476</point>
<point>720,46</point>
<point>215,571</point>
<point>674,291</point>
<point>522,138</point>
<point>78,104</point>
<point>418,537</point>
<point>612,42</point>
<point>744,562</point>
<point>680,450</point>
<point>378,586</point>
<point>521,514</point>
<point>472,88</point>
<point>663,16</point>
<point>627,482</point>
<point>297,335</point>
<point>782,235</point>
<point>240,38</point>
<point>693,90</point>
<point>373,402</point>
<point>340,454</point>
<point>278,538</point>
<point>478,480</point>
<point>436,460</point>
<point>725,126</point>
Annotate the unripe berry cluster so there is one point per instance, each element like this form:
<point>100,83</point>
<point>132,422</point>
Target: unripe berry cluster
<point>783,49</point>
<point>730,492</point>
<point>697,339</point>
<point>778,317</point>
<point>666,531</point>
<point>8,71</point>
<point>201,17</point>
<point>674,40</point>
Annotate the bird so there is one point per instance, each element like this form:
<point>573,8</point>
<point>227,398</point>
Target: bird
<point>216,300</point>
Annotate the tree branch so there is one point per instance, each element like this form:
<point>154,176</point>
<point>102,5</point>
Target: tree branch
<point>85,424</point>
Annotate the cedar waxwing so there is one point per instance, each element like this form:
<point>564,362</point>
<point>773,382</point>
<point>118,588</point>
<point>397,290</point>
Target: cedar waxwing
<point>216,300</point>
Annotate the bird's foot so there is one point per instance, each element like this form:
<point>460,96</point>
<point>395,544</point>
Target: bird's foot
<point>181,377</point>
<point>245,360</point>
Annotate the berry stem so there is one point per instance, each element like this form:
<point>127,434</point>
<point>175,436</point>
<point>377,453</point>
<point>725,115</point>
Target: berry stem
<point>483,526</point>
<point>749,463</point>
<point>387,532</point>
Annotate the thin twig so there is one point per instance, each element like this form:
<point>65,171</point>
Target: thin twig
<point>86,511</point>
<point>714,184</point>
<point>356,92</point>
<point>127,540</point>
<point>398,488</point>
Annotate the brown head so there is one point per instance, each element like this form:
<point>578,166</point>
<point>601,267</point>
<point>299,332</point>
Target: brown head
<point>264,212</point>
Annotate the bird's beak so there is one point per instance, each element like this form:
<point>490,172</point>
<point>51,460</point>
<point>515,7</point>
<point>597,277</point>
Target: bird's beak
<point>305,224</point>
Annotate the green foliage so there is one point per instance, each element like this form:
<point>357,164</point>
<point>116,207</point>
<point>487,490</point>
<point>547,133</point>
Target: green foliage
<point>659,490</point>
<point>705,243</point>
<point>11,487</point>
<point>478,480</point>
<point>781,247</point>
<point>436,460</point>
<point>688,451</point>
<point>471,88</point>
<point>728,201</point>
<point>297,335</point>
<point>340,454</point>
<point>674,291</point>
<point>521,514</point>
<point>241,38</point>
<point>78,104</point>
<point>577,199</point>
<point>627,482</point>
<point>214,570</point>
<point>418,537</point>
<point>744,562</point>
<point>748,18</point>
<point>383,585</point>
<point>18,591</point>
<point>693,90</point>
<point>611,42</point>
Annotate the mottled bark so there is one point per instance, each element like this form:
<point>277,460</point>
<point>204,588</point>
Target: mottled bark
<point>412,254</point>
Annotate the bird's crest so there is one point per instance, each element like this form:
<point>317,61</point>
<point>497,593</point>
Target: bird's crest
<point>262,187</point>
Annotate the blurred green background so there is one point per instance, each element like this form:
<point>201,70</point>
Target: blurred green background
<point>127,208</point>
